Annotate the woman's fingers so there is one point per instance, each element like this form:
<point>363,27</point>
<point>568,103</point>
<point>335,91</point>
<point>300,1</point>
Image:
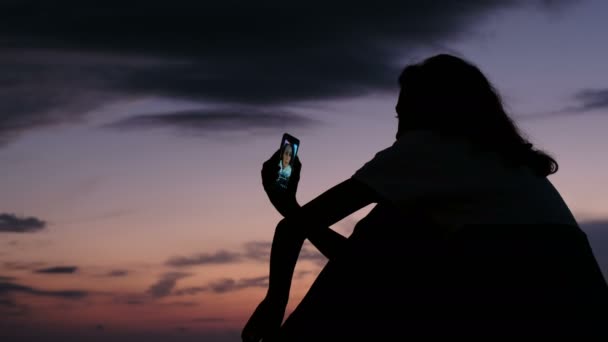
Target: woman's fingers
<point>270,169</point>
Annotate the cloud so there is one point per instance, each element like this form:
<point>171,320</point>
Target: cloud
<point>257,251</point>
<point>9,287</point>
<point>230,285</point>
<point>58,270</point>
<point>264,56</point>
<point>225,285</point>
<point>592,226</point>
<point>165,284</point>
<point>28,243</point>
<point>117,273</point>
<point>597,233</point>
<point>31,331</point>
<point>310,253</point>
<point>187,304</point>
<point>190,291</point>
<point>301,274</point>
<point>209,319</point>
<point>590,99</point>
<point>66,86</point>
<point>10,223</point>
<point>131,299</point>
<point>5,279</point>
<point>20,266</point>
<point>220,257</point>
<point>583,101</point>
<point>10,307</point>
<point>7,302</point>
<point>210,120</point>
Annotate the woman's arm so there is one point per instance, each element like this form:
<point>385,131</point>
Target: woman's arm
<point>335,204</point>
<point>341,200</point>
<point>318,215</point>
<point>312,221</point>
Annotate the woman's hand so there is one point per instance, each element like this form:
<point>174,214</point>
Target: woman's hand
<point>284,200</point>
<point>265,321</point>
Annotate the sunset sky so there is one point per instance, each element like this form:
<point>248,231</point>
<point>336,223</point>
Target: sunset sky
<point>132,138</point>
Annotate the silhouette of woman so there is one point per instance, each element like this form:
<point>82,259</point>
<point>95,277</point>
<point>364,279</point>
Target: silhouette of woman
<point>468,237</point>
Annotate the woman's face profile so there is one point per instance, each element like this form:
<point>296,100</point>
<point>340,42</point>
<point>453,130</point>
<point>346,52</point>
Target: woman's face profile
<point>287,155</point>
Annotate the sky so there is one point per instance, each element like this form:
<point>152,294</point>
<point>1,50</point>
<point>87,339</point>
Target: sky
<point>132,138</point>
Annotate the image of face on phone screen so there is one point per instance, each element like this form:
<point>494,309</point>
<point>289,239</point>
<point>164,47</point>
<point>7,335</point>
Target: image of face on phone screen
<point>289,149</point>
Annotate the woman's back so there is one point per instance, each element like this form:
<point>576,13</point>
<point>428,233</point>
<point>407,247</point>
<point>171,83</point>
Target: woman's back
<point>454,182</point>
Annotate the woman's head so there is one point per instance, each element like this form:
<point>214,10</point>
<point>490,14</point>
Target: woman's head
<point>286,155</point>
<point>449,95</point>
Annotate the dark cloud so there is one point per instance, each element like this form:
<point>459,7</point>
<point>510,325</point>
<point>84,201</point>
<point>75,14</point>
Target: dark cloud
<point>131,299</point>
<point>28,243</point>
<point>209,319</point>
<point>225,285</point>
<point>11,223</point>
<point>21,266</point>
<point>68,58</point>
<point>301,274</point>
<point>260,251</point>
<point>58,270</point>
<point>31,331</point>
<point>590,99</point>
<point>257,251</point>
<point>310,253</point>
<point>165,284</point>
<point>8,302</point>
<point>558,4</point>
<point>42,87</point>
<point>204,121</point>
<point>190,291</point>
<point>117,273</point>
<point>593,226</point>
<point>230,285</point>
<point>161,289</point>
<point>583,101</point>
<point>220,257</point>
<point>5,279</point>
<point>187,304</point>
<point>10,308</point>
<point>9,287</point>
<point>597,233</point>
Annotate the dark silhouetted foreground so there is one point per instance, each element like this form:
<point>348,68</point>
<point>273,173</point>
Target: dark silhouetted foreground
<point>468,237</point>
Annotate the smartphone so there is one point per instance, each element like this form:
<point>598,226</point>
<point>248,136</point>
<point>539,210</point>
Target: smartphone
<point>289,148</point>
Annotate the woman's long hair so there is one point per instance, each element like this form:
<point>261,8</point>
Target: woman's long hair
<point>448,94</point>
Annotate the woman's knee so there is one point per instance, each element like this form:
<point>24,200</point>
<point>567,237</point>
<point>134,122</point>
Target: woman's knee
<point>290,226</point>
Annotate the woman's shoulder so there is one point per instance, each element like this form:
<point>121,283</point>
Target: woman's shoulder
<point>430,141</point>
<point>425,150</point>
